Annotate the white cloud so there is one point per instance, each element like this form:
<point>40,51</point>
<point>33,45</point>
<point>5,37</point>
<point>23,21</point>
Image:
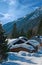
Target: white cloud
<point>12,2</point>
<point>36,7</point>
<point>6,16</point>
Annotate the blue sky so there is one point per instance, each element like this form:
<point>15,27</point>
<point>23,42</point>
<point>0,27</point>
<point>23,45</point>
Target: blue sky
<point>13,9</point>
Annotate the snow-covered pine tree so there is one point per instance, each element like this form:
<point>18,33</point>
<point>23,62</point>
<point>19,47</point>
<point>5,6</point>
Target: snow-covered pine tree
<point>3,45</point>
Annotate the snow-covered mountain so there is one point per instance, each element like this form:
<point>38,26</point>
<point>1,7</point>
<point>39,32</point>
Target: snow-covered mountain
<point>37,12</point>
<point>27,22</point>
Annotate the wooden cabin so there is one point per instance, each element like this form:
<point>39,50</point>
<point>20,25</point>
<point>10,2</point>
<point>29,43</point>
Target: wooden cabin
<point>21,49</point>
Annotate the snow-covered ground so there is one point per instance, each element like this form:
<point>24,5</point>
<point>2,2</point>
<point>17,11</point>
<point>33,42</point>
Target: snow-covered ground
<point>24,58</point>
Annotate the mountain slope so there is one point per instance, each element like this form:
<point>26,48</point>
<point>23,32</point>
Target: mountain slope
<point>40,28</point>
<point>27,22</point>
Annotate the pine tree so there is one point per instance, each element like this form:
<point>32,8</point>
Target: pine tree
<point>15,32</point>
<point>29,33</point>
<point>22,33</point>
<point>3,45</point>
<point>40,28</point>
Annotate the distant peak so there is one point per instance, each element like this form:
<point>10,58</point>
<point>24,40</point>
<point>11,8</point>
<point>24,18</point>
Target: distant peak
<point>39,8</point>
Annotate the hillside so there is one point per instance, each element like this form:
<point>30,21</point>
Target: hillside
<point>40,28</point>
<point>27,22</point>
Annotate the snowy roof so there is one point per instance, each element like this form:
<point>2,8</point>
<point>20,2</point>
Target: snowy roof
<point>33,42</point>
<point>23,38</point>
<point>23,46</point>
<point>11,40</point>
<point>38,38</point>
<point>14,41</point>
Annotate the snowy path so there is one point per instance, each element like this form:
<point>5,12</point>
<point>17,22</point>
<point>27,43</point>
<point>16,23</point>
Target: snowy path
<point>24,58</point>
